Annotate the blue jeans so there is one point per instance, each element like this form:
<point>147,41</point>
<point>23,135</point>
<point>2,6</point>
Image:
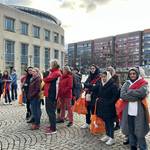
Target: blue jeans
<point>36,110</point>
<point>133,139</point>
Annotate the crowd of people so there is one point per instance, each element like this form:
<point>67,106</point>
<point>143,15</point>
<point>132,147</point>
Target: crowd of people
<point>58,89</point>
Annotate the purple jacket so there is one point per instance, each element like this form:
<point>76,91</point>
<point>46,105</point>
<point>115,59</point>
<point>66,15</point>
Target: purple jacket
<point>34,88</point>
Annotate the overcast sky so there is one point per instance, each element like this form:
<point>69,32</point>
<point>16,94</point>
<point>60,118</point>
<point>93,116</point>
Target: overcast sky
<point>88,19</point>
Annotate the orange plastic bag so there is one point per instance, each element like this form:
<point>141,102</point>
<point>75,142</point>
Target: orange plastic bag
<point>145,104</point>
<point>120,106</point>
<point>20,97</point>
<point>97,125</point>
<point>80,106</point>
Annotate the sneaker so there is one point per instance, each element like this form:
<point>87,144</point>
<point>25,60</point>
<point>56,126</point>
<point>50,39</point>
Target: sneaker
<point>85,126</point>
<point>50,132</point>
<point>69,124</point>
<point>5,103</point>
<point>110,141</point>
<point>10,103</point>
<point>104,138</point>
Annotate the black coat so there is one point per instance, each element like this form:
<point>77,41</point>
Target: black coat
<point>92,86</point>
<point>107,96</point>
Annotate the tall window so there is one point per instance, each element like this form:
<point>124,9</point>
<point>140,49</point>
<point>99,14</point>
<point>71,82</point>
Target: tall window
<point>47,58</point>
<point>9,24</point>
<point>56,37</point>
<point>24,53</point>
<point>47,35</point>
<point>24,28</point>
<point>24,57</point>
<point>56,54</point>
<point>62,59</point>
<point>36,56</point>
<point>9,52</point>
<point>62,39</point>
<point>36,31</point>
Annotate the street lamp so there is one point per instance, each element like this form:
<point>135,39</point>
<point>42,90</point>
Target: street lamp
<point>30,57</point>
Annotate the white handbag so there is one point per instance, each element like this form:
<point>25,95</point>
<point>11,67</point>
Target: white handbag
<point>88,97</point>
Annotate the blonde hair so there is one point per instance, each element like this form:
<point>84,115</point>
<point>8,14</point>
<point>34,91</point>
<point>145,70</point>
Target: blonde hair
<point>54,63</point>
<point>38,71</point>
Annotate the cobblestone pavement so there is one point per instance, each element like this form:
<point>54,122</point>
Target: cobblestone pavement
<point>15,134</point>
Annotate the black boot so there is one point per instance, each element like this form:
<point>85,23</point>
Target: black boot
<point>28,115</point>
<point>133,148</point>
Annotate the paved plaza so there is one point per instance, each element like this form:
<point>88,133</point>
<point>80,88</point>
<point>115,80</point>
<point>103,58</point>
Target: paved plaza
<point>15,133</point>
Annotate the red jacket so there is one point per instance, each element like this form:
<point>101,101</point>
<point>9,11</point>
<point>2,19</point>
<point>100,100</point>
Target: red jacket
<point>54,74</point>
<point>65,86</point>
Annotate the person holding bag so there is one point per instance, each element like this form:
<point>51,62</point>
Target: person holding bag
<point>135,115</point>
<point>90,95</point>
<point>107,95</point>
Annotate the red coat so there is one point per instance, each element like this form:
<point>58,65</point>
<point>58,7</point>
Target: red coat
<point>54,74</point>
<point>65,86</point>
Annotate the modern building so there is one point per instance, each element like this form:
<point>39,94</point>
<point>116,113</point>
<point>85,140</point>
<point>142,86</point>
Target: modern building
<point>103,51</point>
<point>29,37</point>
<point>120,51</point>
<point>128,49</point>
<point>146,47</point>
<point>80,54</point>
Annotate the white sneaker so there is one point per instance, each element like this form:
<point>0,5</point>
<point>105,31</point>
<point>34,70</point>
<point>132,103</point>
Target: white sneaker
<point>110,141</point>
<point>85,126</point>
<point>104,138</point>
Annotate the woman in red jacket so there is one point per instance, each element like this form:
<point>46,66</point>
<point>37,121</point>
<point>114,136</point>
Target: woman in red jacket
<point>65,95</point>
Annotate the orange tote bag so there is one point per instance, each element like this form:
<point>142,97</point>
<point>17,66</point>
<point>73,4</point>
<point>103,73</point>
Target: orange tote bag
<point>97,125</point>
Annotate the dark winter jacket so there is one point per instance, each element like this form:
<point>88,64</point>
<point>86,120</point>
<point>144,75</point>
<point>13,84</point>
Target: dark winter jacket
<point>34,88</point>
<point>77,86</point>
<point>90,87</point>
<point>26,82</point>
<point>65,86</point>
<point>107,96</point>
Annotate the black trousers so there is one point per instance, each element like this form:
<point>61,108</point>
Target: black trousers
<point>90,110</point>
<point>7,97</point>
<point>109,125</point>
<point>13,92</point>
<point>51,112</point>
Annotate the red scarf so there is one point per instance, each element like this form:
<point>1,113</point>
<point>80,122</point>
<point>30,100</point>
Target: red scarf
<point>120,105</point>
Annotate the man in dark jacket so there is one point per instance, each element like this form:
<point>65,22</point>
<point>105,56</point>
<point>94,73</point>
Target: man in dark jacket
<point>26,90</point>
